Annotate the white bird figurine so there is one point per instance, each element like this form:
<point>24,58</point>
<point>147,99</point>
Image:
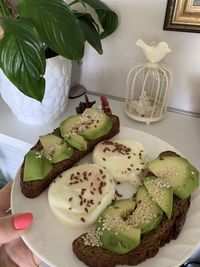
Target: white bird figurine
<point>154,53</point>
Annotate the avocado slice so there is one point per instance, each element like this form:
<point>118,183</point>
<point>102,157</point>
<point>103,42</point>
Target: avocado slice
<point>116,236</point>
<point>36,166</point>
<point>69,131</point>
<point>120,242</point>
<point>161,192</point>
<point>77,141</point>
<point>183,177</point>
<point>97,122</point>
<point>120,208</point>
<point>92,124</point>
<point>55,148</point>
<point>147,214</point>
<point>70,126</point>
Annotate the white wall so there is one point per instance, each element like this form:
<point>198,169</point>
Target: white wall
<point>144,19</point>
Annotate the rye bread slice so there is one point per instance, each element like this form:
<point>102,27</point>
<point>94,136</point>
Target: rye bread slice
<point>149,246</point>
<point>33,189</point>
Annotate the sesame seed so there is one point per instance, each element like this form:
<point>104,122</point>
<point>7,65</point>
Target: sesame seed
<point>92,238</point>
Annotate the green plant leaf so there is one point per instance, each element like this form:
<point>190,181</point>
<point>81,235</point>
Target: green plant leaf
<point>4,8</point>
<point>57,25</point>
<point>22,57</point>
<point>90,30</point>
<point>107,18</point>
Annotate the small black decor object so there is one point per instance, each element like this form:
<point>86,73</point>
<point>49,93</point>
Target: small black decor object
<point>83,105</point>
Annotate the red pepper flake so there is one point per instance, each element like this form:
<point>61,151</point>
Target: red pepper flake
<point>105,105</point>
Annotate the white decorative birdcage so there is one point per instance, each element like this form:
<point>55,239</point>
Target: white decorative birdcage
<point>148,85</point>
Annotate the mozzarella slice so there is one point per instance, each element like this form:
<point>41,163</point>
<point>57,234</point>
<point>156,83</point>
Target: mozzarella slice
<point>80,194</point>
<point>124,159</point>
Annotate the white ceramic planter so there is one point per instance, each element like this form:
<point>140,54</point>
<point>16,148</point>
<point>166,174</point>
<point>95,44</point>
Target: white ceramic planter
<point>31,111</point>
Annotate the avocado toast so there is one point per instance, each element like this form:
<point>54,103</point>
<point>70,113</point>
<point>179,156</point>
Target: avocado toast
<point>138,236</point>
<point>60,150</point>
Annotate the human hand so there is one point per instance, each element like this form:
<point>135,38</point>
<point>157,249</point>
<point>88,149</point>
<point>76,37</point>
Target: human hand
<point>13,251</point>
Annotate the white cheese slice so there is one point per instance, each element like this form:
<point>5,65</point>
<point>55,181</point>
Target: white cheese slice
<point>80,194</point>
<point>124,159</point>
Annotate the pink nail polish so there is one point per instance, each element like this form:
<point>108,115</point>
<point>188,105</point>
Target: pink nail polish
<point>22,221</point>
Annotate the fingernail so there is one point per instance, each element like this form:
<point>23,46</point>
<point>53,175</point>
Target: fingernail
<point>22,221</point>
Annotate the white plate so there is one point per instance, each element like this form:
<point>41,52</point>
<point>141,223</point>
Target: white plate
<point>52,241</point>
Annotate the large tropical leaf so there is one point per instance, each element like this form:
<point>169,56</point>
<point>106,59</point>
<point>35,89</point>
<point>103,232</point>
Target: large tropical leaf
<point>57,25</point>
<point>90,30</point>
<point>107,18</point>
<point>22,57</point>
<point>4,9</point>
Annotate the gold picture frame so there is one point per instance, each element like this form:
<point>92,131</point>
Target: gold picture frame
<point>182,15</point>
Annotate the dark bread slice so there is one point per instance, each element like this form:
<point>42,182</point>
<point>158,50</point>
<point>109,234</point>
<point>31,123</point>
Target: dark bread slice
<point>149,246</point>
<point>167,230</point>
<point>33,189</point>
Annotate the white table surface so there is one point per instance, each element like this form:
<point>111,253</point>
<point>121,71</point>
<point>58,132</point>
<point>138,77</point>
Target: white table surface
<point>181,131</point>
